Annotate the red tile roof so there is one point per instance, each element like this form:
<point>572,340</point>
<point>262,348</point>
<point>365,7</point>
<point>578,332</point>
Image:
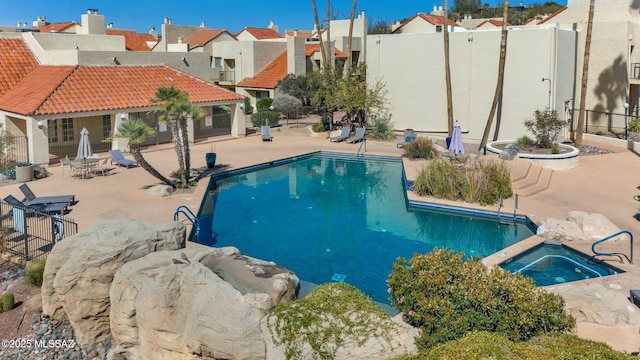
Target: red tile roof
<point>270,76</point>
<point>496,23</point>
<point>431,19</point>
<point>134,41</point>
<point>203,37</point>
<point>277,70</point>
<point>261,33</point>
<point>55,90</point>
<point>301,33</point>
<point>553,15</point>
<point>15,63</point>
<point>59,27</point>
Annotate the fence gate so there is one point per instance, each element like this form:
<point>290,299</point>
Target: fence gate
<point>31,234</point>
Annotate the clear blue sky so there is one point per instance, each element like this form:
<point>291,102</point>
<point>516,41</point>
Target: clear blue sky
<point>232,15</point>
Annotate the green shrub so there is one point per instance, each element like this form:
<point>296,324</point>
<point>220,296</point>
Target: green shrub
<point>381,128</point>
<point>331,315</point>
<point>270,117</point>
<point>555,148</point>
<point>525,142</point>
<point>6,302</point>
<point>420,148</point>
<point>486,345</point>
<point>317,127</point>
<point>634,125</point>
<point>35,272</point>
<point>545,126</point>
<point>497,180</point>
<point>263,104</point>
<point>447,297</point>
<point>248,108</point>
<point>482,183</point>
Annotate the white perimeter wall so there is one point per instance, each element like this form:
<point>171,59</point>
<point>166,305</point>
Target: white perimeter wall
<point>412,66</point>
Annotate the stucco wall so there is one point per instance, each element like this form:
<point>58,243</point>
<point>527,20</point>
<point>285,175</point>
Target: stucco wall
<point>412,66</point>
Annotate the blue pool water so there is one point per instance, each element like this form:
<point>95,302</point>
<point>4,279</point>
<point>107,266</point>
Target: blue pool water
<point>549,264</point>
<point>336,218</point>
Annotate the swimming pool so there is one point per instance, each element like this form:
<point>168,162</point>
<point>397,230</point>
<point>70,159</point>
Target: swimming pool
<point>551,264</point>
<point>331,217</point>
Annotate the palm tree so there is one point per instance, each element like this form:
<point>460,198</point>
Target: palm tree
<point>166,98</point>
<point>136,131</point>
<point>585,75</point>
<point>317,23</point>
<point>501,62</point>
<point>186,112</point>
<point>447,70</point>
<point>347,65</point>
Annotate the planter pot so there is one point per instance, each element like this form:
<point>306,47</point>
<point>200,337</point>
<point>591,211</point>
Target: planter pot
<point>211,160</point>
<point>24,173</point>
<point>568,160</point>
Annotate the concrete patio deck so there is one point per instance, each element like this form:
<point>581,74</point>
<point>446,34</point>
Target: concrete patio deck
<point>602,183</point>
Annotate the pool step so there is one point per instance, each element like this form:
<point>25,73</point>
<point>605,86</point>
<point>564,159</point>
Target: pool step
<point>536,180</point>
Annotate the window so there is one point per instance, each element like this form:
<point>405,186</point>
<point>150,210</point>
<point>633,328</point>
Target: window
<point>106,126</point>
<point>262,94</point>
<point>67,130</point>
<point>217,62</point>
<point>52,129</point>
<point>438,28</point>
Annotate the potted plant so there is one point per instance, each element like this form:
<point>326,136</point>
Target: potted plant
<point>210,158</point>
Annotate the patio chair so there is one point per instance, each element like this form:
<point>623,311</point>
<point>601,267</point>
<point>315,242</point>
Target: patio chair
<point>118,158</point>
<point>101,167</point>
<point>408,139</point>
<point>32,199</point>
<point>266,133</point>
<point>45,208</point>
<point>344,135</point>
<point>359,136</point>
<point>79,170</point>
<point>65,164</point>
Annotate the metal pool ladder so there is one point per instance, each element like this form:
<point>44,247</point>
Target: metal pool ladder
<point>630,258</point>
<point>182,209</point>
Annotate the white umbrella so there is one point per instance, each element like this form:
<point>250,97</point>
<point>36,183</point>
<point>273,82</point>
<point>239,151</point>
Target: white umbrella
<point>455,146</point>
<point>84,147</point>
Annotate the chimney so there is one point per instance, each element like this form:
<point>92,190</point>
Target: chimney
<point>361,15</point>
<point>24,25</point>
<point>296,57</point>
<point>92,23</point>
<point>110,26</point>
<point>295,32</point>
<point>180,39</point>
<point>435,9</point>
<point>153,32</point>
<point>202,24</point>
<point>273,26</point>
<point>42,21</point>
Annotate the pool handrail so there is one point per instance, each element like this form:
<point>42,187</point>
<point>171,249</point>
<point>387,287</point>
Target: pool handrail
<point>561,257</point>
<point>193,219</point>
<point>596,253</point>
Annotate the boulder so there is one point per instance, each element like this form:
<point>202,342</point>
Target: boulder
<point>195,303</point>
<point>160,190</point>
<point>509,154</point>
<point>579,225</point>
<point>79,271</point>
<point>594,226</point>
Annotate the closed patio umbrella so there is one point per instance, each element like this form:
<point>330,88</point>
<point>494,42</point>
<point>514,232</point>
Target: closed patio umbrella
<point>84,147</point>
<point>456,146</point>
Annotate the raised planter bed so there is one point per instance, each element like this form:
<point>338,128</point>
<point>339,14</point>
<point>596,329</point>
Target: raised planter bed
<point>568,159</point>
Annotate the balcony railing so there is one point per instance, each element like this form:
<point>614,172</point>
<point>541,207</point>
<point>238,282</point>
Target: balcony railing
<point>228,76</point>
<point>635,71</point>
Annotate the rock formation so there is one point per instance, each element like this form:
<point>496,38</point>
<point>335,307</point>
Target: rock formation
<point>171,304</point>
<point>578,226</point>
<point>80,269</point>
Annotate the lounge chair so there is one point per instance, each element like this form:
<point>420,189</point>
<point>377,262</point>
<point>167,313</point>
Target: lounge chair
<point>45,208</point>
<point>344,135</point>
<point>266,133</point>
<point>359,136</point>
<point>32,199</point>
<point>407,139</point>
<point>118,158</point>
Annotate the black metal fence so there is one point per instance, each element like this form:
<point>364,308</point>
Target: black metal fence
<point>31,234</point>
<point>603,123</point>
<point>15,149</point>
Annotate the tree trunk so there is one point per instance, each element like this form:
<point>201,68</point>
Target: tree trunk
<point>328,48</point>
<point>347,65</point>
<point>447,70</point>
<point>585,76</point>
<point>135,151</point>
<point>184,131</point>
<point>177,143</point>
<point>496,95</point>
<point>318,29</point>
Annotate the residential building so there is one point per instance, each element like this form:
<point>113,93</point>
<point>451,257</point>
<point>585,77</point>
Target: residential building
<point>426,23</point>
<point>412,67</point>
